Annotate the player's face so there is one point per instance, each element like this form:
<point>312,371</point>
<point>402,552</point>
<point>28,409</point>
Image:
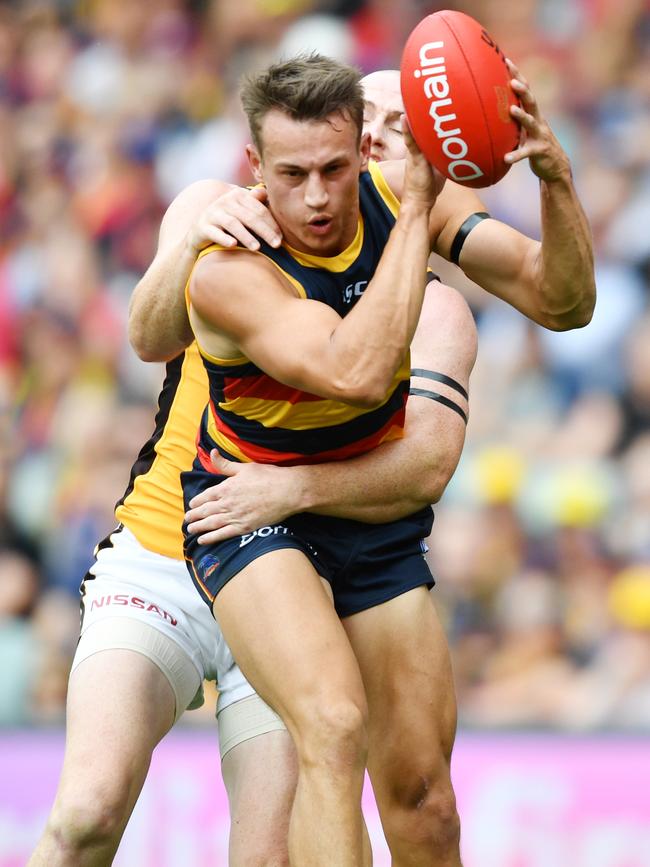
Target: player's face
<point>382,115</point>
<point>311,171</point>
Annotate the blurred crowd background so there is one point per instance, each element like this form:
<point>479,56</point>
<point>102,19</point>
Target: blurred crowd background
<point>541,546</point>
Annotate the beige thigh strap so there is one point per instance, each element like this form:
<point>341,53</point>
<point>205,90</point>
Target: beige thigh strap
<point>128,633</point>
<point>245,719</point>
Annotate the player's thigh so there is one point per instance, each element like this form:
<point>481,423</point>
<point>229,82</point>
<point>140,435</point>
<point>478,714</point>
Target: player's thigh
<point>280,623</point>
<point>119,706</point>
<point>404,660</point>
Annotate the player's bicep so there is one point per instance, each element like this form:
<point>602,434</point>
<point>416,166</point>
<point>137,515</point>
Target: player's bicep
<point>246,300</point>
<point>443,352</point>
<point>503,261</point>
<point>453,206</point>
<point>292,341</point>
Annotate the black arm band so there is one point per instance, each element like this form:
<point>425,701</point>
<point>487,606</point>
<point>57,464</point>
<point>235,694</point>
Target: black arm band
<point>440,398</point>
<point>439,377</point>
<point>463,232</point>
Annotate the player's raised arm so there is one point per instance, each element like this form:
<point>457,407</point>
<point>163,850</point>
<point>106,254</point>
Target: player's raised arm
<point>206,212</point>
<point>550,281</point>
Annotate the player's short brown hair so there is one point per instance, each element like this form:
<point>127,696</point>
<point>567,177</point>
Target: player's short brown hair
<point>307,87</point>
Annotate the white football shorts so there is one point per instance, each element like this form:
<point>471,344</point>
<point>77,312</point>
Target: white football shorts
<point>137,600</point>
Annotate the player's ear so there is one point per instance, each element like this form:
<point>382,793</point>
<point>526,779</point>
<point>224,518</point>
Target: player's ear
<point>364,149</point>
<point>255,162</point>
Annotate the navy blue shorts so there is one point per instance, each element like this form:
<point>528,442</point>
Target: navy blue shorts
<point>365,564</point>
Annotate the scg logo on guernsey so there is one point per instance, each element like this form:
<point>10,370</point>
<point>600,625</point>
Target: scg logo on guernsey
<point>436,89</point>
<point>354,290</point>
<point>277,530</point>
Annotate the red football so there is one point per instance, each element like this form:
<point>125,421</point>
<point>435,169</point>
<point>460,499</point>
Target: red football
<point>457,97</point>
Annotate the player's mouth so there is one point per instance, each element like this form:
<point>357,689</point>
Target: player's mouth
<point>320,225</point>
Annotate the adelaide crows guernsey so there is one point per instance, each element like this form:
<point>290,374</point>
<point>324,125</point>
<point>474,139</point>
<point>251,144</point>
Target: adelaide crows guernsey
<point>253,417</point>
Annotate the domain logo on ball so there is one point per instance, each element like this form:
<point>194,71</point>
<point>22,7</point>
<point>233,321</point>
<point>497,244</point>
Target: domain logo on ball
<point>436,89</point>
<point>457,97</point>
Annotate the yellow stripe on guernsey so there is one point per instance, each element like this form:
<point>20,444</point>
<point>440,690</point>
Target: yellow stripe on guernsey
<point>152,508</point>
<point>304,416</point>
<point>387,194</point>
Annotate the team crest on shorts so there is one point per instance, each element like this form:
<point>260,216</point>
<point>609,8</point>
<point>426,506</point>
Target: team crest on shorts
<point>208,565</point>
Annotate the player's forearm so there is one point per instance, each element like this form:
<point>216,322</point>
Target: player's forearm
<point>370,343</point>
<point>158,325</point>
<point>383,485</point>
<point>401,476</point>
<point>565,264</point>
<point>552,281</point>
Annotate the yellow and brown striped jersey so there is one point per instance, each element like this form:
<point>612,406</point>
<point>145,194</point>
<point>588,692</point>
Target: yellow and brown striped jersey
<point>152,505</point>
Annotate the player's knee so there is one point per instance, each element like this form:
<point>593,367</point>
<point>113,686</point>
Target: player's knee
<point>77,824</point>
<point>334,734</point>
<point>424,813</point>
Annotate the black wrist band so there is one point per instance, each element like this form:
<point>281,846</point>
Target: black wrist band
<point>463,232</point>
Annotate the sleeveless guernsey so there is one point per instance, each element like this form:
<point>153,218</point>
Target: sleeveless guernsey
<point>253,417</point>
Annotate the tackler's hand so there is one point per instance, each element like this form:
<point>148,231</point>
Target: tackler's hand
<point>236,217</point>
<point>251,496</point>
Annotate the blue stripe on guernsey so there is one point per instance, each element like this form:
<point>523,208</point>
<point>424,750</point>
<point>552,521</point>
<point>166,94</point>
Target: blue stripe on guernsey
<point>310,441</point>
<point>221,375</point>
<point>253,417</point>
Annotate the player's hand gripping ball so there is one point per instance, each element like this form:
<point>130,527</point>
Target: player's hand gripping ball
<point>457,97</point>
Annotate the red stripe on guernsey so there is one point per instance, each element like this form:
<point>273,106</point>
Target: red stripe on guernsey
<point>204,457</point>
<point>262,455</point>
<point>264,388</point>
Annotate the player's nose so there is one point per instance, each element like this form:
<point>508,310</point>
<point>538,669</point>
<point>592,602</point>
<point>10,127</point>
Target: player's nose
<point>377,130</point>
<point>316,195</point>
